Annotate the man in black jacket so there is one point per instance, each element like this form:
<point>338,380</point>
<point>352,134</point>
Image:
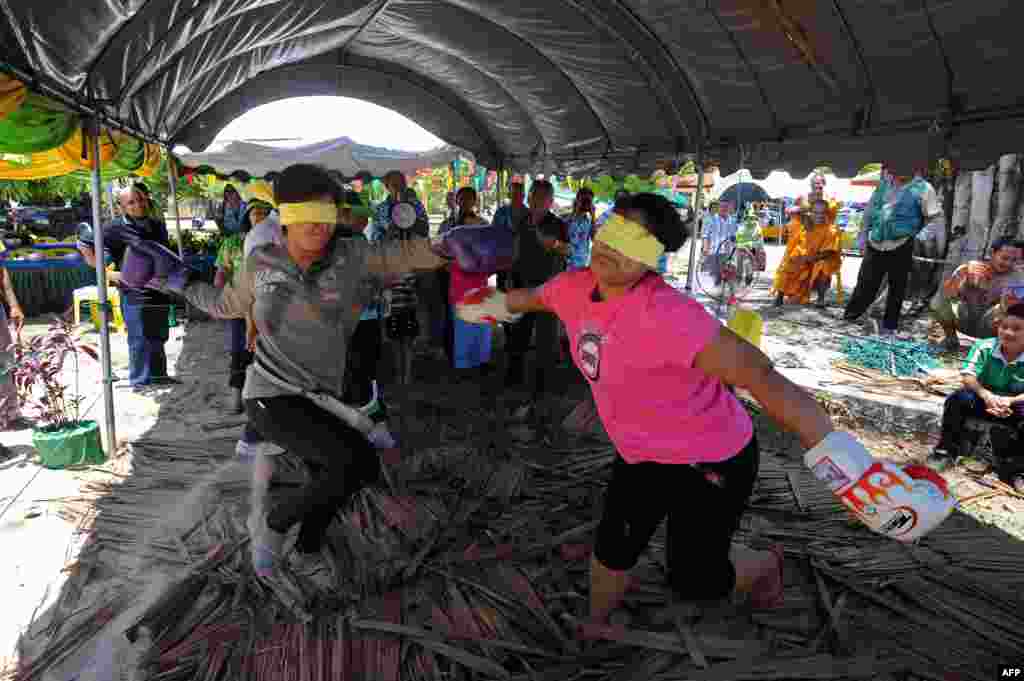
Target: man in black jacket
<point>542,245</point>
<point>145,311</point>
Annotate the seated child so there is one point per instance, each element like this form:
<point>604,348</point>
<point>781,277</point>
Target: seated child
<point>993,380</point>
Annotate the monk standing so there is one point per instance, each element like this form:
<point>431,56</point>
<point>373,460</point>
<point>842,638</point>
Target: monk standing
<point>813,251</point>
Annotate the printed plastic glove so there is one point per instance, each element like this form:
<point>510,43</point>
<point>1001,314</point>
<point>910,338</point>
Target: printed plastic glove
<point>150,265</point>
<point>903,503</point>
<point>484,306</point>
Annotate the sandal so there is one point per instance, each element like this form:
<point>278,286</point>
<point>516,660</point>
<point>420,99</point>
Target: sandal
<point>769,591</point>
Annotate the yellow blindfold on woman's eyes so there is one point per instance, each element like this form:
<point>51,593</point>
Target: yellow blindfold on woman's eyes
<point>308,211</point>
<point>632,240</point>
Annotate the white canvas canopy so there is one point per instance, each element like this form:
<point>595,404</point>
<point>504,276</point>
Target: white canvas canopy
<point>341,154</point>
<point>780,184</point>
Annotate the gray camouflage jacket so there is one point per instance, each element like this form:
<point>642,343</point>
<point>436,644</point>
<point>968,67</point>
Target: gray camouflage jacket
<point>305,319</point>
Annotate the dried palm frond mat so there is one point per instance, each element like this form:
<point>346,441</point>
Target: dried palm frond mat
<point>937,382</point>
<point>471,567</point>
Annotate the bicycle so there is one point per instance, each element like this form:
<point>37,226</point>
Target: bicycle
<point>729,273</point>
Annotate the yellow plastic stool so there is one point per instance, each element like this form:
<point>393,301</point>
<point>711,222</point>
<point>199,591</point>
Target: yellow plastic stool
<point>748,325</point>
<point>117,323</point>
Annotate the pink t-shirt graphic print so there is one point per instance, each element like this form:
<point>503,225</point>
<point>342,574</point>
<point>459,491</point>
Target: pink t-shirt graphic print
<point>637,353</point>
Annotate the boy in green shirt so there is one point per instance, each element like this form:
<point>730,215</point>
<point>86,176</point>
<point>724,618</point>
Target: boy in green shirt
<point>993,380</point>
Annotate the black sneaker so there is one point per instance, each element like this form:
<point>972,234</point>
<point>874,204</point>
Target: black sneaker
<point>164,380</point>
<point>939,460</point>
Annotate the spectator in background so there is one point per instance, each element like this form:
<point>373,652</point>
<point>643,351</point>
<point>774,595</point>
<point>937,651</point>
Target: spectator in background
<point>451,204</point>
<point>401,298</point>
<point>230,258</point>
<point>268,230</point>
<point>362,388</point>
<point>719,229</point>
<point>515,211</point>
<point>977,294</point>
<point>541,249</point>
<point>471,343</point>
<point>813,249</point>
<point>145,311</point>
<point>509,216</point>
<point>993,389</point>
<point>580,225</point>
<point>232,211</point>
<point>903,204</point>
<point>621,197</point>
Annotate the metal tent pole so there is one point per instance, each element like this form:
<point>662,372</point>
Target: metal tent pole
<point>172,177</point>
<point>101,289</point>
<point>692,268</point>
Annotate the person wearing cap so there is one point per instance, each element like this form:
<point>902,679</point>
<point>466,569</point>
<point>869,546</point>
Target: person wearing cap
<point>267,230</point>
<point>146,312</point>
<point>229,263</point>
<point>660,367</point>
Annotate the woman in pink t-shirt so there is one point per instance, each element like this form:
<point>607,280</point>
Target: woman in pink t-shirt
<point>659,366</point>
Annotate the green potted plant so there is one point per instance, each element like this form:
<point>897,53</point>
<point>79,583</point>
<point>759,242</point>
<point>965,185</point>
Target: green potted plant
<point>61,436</point>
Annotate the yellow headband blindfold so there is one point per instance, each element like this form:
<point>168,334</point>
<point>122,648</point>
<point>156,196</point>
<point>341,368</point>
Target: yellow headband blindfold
<point>632,240</point>
<point>309,211</point>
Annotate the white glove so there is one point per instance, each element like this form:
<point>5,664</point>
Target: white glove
<point>903,503</point>
<point>484,306</point>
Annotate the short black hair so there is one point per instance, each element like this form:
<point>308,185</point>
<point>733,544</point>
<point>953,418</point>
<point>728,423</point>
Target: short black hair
<point>465,190</point>
<point>544,186</point>
<point>1016,310</point>
<point>305,182</point>
<point>1003,242</point>
<point>351,197</point>
<point>660,217</point>
<point>621,195</point>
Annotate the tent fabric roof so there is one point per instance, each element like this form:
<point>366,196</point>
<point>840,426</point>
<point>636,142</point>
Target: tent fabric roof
<point>341,154</point>
<point>558,85</point>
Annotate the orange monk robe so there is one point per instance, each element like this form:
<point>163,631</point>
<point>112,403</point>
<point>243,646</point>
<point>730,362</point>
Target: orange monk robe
<point>796,281</point>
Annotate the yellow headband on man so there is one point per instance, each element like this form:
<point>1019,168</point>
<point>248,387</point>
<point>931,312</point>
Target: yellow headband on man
<point>631,239</point>
<point>308,211</point>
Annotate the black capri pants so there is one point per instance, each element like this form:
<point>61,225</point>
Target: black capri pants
<point>703,502</point>
<point>340,459</point>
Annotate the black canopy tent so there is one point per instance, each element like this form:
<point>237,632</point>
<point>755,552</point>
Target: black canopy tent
<point>568,86</point>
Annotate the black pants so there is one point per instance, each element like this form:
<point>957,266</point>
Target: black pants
<point>704,504</point>
<point>876,266</point>
<point>364,352</point>
<point>433,292</point>
<point>340,459</point>
<point>517,344</point>
<point>240,361</point>
<point>1007,444</point>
